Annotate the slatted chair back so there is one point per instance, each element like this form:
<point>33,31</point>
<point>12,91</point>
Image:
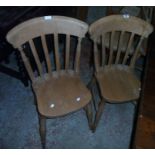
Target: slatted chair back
<point>137,28</point>
<point>147,13</point>
<point>28,31</point>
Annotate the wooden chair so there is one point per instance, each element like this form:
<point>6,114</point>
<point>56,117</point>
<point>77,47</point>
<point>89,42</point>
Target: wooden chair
<point>144,12</point>
<point>147,13</point>
<point>114,68</point>
<point>58,90</point>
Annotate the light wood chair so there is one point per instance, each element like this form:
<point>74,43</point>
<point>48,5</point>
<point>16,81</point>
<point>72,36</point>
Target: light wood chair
<point>115,69</point>
<point>58,90</point>
<point>147,13</point>
<point>144,12</point>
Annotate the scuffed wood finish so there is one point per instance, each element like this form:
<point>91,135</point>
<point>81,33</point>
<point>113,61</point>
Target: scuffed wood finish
<point>67,51</point>
<point>61,94</point>
<point>111,47</point>
<point>112,28</point>
<point>122,40</point>
<point>119,47</point>
<point>36,57</point>
<point>118,84</point>
<point>125,26</point>
<point>77,60</point>
<point>57,58</point>
<point>47,57</point>
<point>103,50</point>
<point>42,130</point>
<point>120,23</point>
<point>58,91</point>
<point>128,49</point>
<point>116,40</point>
<point>133,60</point>
<point>46,25</point>
<point>54,86</point>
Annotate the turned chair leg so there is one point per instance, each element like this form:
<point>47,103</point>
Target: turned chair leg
<point>42,130</point>
<point>89,113</point>
<point>98,114</point>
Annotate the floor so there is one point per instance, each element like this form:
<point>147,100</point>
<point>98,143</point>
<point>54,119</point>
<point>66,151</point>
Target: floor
<point>19,119</point>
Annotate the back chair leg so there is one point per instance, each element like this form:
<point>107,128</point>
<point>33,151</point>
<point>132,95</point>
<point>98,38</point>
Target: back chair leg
<point>89,113</point>
<point>42,130</point>
<point>90,86</point>
<point>98,114</point>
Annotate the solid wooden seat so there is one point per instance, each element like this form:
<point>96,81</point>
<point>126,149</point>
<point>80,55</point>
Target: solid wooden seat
<point>120,38</point>
<point>56,80</point>
<point>61,94</point>
<point>118,84</point>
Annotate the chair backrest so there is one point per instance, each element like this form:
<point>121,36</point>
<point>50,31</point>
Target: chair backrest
<point>28,31</point>
<point>147,13</point>
<point>136,28</point>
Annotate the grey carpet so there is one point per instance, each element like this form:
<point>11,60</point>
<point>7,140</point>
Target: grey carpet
<point>19,119</point>
<point>19,122</point>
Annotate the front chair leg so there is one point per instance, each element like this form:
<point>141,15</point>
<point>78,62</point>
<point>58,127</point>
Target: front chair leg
<point>98,114</point>
<point>42,130</point>
<point>89,113</point>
